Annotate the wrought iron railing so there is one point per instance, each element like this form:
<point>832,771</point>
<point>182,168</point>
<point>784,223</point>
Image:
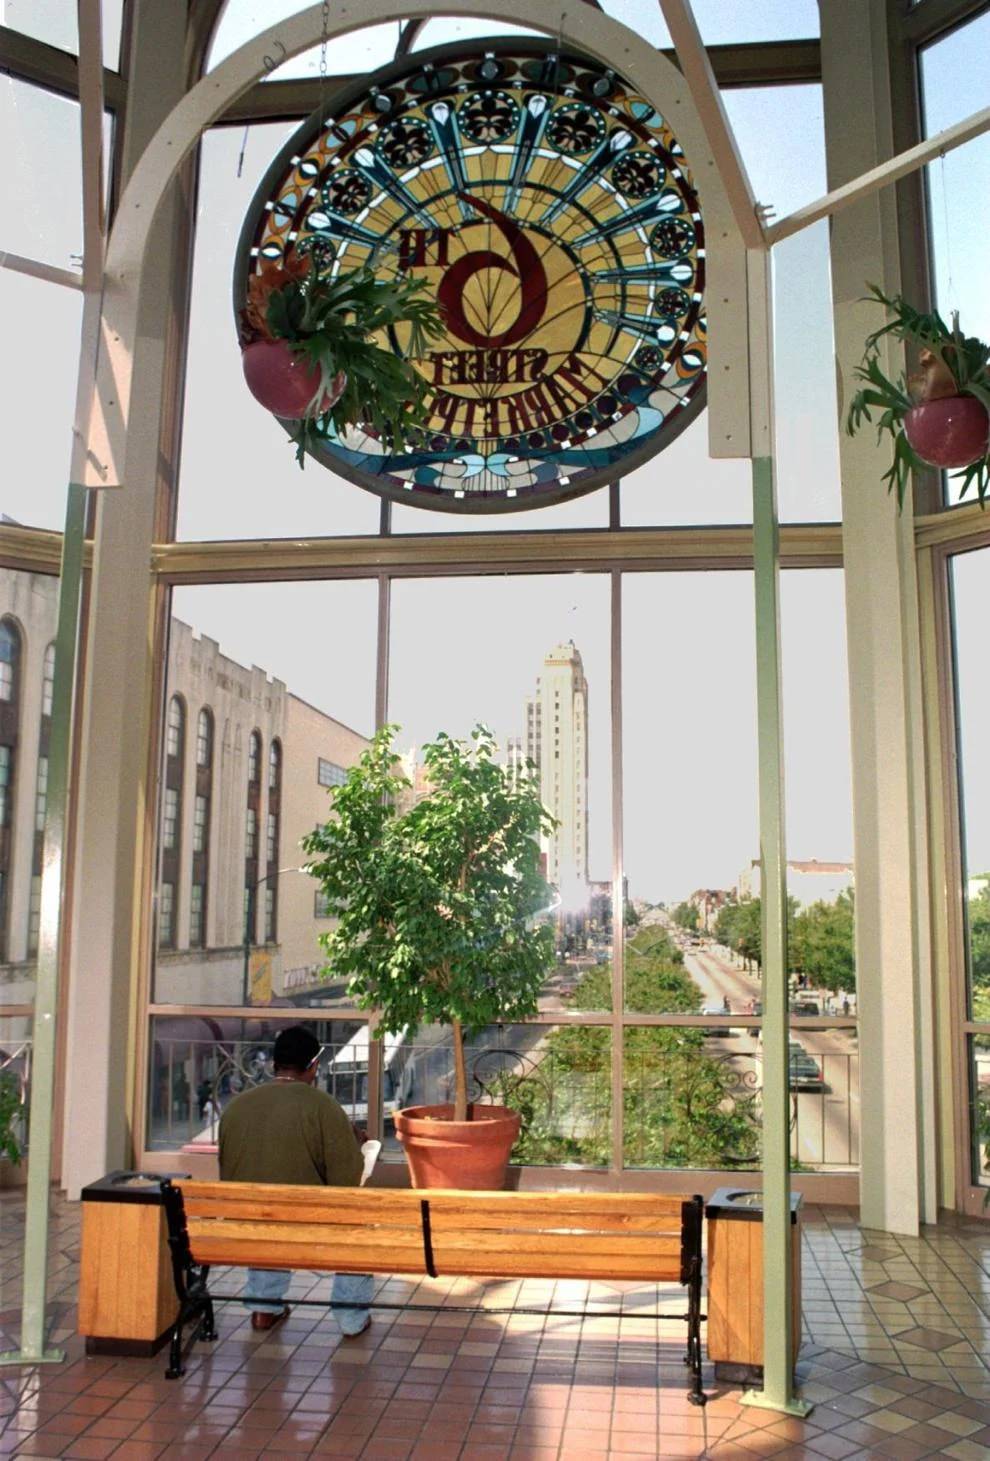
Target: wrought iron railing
<point>692,1096</point>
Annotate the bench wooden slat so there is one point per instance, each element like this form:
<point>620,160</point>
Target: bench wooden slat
<point>381,1242</point>
<point>481,1211</point>
<point>463,1264</point>
<point>481,1219</point>
<point>662,1209</point>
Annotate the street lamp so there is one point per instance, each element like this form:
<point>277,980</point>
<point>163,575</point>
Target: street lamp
<point>246,990</point>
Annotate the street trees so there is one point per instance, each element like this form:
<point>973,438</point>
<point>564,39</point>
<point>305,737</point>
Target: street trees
<point>822,944</point>
<point>686,916</point>
<point>683,1106</point>
<point>979,951</point>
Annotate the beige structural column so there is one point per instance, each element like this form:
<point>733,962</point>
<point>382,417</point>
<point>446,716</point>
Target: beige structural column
<point>113,804</point>
<point>893,957</point>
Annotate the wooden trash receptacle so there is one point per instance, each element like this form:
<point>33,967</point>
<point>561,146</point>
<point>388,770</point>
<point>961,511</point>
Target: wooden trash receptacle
<point>127,1302</point>
<point>735,1283</point>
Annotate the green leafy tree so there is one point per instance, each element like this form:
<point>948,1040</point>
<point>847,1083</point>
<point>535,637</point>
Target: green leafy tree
<point>686,916</point>
<point>822,943</point>
<point>682,1106</point>
<point>979,951</point>
<point>10,1111</point>
<point>438,905</point>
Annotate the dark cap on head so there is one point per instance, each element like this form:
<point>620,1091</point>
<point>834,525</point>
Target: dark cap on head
<point>295,1049</point>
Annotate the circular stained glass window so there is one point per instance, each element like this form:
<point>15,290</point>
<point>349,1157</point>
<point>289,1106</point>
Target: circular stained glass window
<point>551,209</point>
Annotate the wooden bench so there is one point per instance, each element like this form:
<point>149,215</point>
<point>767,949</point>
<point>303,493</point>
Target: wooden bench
<point>629,1236</point>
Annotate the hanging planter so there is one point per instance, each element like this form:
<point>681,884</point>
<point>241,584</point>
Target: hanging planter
<point>284,384</point>
<point>939,417</point>
<point>309,351</point>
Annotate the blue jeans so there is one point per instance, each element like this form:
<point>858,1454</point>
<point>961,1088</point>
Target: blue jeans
<point>268,1287</point>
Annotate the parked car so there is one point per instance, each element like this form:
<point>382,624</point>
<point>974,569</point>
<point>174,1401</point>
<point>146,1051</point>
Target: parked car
<point>805,1074</point>
<point>716,1029</point>
<point>806,1007</point>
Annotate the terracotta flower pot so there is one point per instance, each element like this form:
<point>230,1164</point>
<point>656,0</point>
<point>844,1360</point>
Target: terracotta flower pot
<point>283,383</point>
<point>442,1152</point>
<point>950,432</point>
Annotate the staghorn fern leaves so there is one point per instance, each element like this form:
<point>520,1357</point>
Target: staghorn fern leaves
<point>963,358</point>
<point>331,322</point>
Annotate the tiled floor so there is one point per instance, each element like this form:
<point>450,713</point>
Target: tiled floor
<point>895,1360</point>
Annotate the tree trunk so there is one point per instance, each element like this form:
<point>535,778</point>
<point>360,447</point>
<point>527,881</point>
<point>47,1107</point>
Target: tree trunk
<point>460,1074</point>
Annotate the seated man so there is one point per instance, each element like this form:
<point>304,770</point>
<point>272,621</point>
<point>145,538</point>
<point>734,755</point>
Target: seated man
<point>287,1131</point>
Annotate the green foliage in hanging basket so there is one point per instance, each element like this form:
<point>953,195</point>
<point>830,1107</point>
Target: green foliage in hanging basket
<point>951,364</point>
<point>332,321</point>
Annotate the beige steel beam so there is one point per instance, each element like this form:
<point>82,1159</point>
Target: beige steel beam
<point>698,73</point>
<point>890,171</point>
<point>43,65</point>
<point>50,273</point>
<point>808,545</point>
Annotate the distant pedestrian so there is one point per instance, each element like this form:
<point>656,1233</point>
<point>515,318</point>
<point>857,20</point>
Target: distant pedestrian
<point>845,1004</point>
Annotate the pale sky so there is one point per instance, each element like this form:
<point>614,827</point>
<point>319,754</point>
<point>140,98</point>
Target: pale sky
<point>463,651</point>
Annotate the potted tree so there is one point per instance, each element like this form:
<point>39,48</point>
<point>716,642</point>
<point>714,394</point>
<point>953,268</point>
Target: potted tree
<point>437,899</point>
<point>938,416</point>
<point>309,353</point>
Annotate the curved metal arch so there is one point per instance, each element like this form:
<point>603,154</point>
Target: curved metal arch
<point>612,43</point>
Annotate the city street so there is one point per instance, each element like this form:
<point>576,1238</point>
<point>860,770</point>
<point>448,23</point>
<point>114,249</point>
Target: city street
<point>827,1116</point>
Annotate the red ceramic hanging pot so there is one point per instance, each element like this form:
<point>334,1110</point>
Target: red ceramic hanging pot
<point>284,383</point>
<point>952,431</point>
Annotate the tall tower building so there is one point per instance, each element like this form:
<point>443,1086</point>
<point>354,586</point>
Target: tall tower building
<point>557,740</point>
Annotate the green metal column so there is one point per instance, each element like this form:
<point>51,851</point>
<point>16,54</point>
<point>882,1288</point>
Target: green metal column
<point>778,1368</point>
<point>32,1349</point>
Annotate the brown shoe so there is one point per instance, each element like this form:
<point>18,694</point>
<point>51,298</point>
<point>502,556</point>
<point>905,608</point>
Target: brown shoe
<point>260,1319</point>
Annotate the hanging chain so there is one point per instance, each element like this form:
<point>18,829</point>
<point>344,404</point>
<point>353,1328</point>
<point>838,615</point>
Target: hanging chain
<point>323,55</point>
<point>950,288</point>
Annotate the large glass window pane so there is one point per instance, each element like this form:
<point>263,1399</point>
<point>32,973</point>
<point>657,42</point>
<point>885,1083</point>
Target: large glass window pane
<point>296,663</point>
<point>239,477</point>
<point>199,1064</point>
<point>979,1094</point>
<point>781,135</point>
<point>529,657</point>
<point>684,485</point>
<point>557,1078</point>
<point>694,1098</point>
<point>722,22</point>
<point>971,608</point>
<point>462,28</point>
<point>954,85</point>
<point>360,51</point>
<point>28,606</point>
<point>55,23</point>
<point>818,799</point>
<point>689,783</point>
<point>45,320</point>
<point>40,168</point>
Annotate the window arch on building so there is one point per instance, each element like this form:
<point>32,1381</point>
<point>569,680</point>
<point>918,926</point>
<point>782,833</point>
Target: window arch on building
<point>272,832</point>
<point>11,648</point>
<point>204,738</point>
<point>10,660</point>
<point>41,798</point>
<point>170,853</point>
<point>48,679</point>
<point>253,876</point>
<point>202,808</point>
